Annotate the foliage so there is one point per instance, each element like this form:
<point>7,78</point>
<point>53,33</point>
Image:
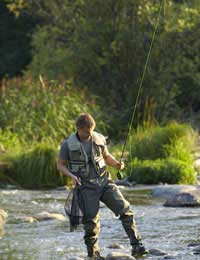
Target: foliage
<point>8,140</point>
<point>36,168</point>
<point>169,170</point>
<point>15,44</point>
<point>38,111</point>
<point>162,154</point>
<point>161,142</point>
<point>103,45</point>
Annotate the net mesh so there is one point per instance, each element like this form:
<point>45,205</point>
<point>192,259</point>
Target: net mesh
<point>72,208</point>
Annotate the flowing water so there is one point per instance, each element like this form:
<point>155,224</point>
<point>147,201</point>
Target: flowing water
<point>164,228</point>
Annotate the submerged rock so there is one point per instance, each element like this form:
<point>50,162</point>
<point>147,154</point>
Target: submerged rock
<point>190,198</point>
<point>197,250</point>
<point>168,257</point>
<point>49,216</point>
<point>119,256</point>
<point>156,252</point>
<point>115,246</point>
<point>194,244</point>
<point>169,191</point>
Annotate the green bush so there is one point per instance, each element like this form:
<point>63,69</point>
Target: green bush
<point>151,143</point>
<point>36,168</point>
<point>170,170</point>
<point>162,154</point>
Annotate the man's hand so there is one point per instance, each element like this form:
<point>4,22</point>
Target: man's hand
<point>76,180</point>
<point>120,165</point>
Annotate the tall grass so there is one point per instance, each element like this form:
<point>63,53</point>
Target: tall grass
<point>36,167</point>
<point>42,110</point>
<point>35,117</point>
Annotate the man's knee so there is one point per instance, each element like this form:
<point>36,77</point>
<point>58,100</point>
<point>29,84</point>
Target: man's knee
<point>126,213</point>
<point>91,226</point>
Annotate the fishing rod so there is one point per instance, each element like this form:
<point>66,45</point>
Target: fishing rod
<point>120,174</point>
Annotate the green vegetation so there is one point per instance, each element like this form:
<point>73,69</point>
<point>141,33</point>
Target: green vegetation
<point>35,117</point>
<point>88,56</point>
<point>36,168</point>
<point>40,111</point>
<point>102,46</point>
<point>162,154</point>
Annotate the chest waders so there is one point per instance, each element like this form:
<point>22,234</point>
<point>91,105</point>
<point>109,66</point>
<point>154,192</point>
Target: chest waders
<point>91,195</point>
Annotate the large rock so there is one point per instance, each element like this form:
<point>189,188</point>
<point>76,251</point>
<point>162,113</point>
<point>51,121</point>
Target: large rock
<point>119,256</point>
<point>183,199</point>
<point>169,191</point>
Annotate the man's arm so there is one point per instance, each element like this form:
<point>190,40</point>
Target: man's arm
<point>61,166</point>
<point>111,161</point>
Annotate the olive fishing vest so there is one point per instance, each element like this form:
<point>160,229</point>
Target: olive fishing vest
<point>78,160</point>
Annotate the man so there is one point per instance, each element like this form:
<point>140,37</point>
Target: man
<point>87,155</point>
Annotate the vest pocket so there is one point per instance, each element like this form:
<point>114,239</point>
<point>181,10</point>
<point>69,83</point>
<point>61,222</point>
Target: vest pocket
<point>80,170</point>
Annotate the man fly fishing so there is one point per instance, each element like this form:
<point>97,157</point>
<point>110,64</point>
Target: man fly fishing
<point>83,157</point>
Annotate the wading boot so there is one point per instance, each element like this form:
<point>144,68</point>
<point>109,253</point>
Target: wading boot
<point>95,256</point>
<point>138,250</point>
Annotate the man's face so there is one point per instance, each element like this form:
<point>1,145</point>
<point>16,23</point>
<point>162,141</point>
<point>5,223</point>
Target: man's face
<point>85,133</point>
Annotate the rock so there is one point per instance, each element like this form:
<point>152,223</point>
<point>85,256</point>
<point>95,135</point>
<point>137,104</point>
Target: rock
<point>3,217</point>
<point>183,199</point>
<point>125,183</point>
<point>194,244</point>
<point>169,191</point>
<point>156,252</point>
<point>119,256</point>
<point>115,246</point>
<point>197,250</point>
<point>62,188</point>
<point>49,216</point>
<point>76,258</point>
<point>168,257</point>
<point>26,219</point>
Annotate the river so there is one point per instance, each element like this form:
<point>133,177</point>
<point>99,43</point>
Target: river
<point>164,228</point>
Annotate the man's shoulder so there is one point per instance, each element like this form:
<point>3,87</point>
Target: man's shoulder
<point>98,138</point>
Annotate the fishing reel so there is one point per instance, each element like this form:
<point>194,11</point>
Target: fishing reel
<point>120,175</point>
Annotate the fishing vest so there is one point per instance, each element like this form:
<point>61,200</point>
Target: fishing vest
<point>78,160</point>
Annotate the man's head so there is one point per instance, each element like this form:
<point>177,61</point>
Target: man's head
<point>85,125</point>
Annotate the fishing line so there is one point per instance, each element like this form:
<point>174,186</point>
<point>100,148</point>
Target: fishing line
<point>162,3</point>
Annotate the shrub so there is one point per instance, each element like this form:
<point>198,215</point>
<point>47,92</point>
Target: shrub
<point>170,170</point>
<point>151,143</point>
<point>162,154</point>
